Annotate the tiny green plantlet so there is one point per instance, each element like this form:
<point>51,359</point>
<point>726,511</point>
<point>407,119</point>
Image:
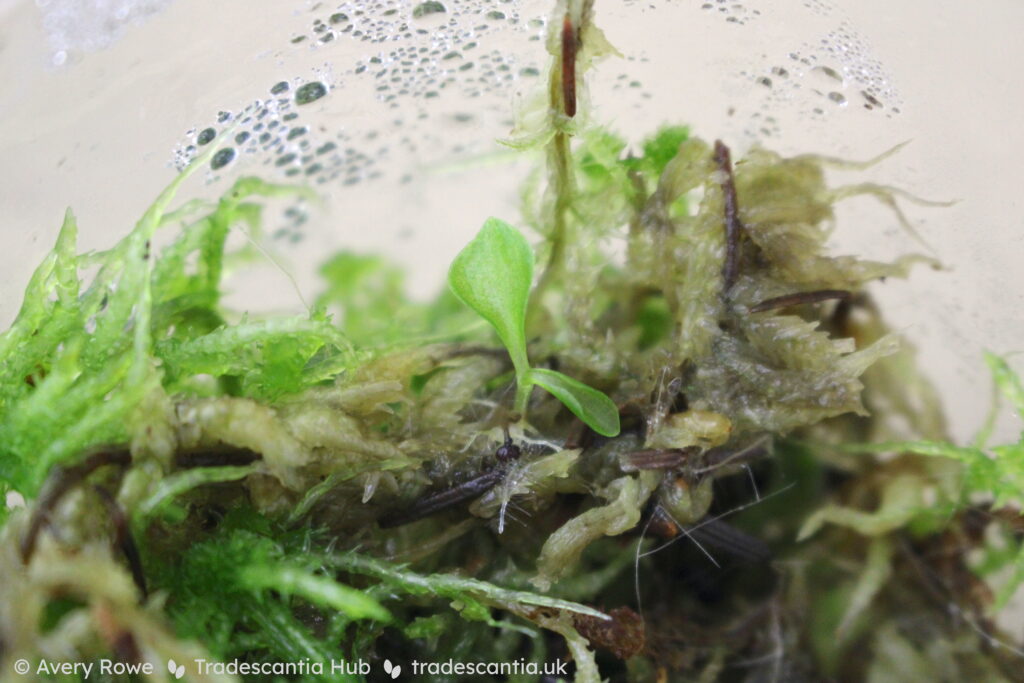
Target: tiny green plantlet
<point>493,275</point>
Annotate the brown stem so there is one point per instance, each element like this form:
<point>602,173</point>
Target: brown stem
<point>733,227</point>
<point>123,539</point>
<point>221,455</point>
<point>442,500</point>
<point>569,46</point>
<point>658,459</point>
<point>60,483</point>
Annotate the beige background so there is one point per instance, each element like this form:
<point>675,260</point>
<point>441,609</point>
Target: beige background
<point>98,133</point>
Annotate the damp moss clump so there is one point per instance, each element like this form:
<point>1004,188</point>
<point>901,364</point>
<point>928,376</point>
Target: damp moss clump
<point>739,473</point>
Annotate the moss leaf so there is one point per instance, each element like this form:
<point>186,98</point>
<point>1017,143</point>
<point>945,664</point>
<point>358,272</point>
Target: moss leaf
<point>317,589</point>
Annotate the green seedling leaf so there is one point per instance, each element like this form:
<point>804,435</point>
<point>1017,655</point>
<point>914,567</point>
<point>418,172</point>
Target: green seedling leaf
<point>588,404</point>
<point>492,275</point>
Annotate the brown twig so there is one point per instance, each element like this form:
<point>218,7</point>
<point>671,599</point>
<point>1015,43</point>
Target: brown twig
<point>658,459</point>
<point>123,539</point>
<point>64,479</point>
<point>799,298</point>
<point>442,500</point>
<point>733,227</point>
<point>569,46</point>
<point>215,456</point>
<point>711,531</point>
<point>729,539</point>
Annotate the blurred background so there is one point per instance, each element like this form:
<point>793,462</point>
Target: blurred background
<point>391,111</point>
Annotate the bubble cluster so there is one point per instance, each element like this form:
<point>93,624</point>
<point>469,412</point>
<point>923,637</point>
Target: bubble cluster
<point>432,45</point>
<point>414,54</point>
<point>269,130</point>
<point>732,12</point>
<point>403,85</point>
<point>839,70</point>
<point>859,68</point>
<point>836,72</point>
<point>819,7</point>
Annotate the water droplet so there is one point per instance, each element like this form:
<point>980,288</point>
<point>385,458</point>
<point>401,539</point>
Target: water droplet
<point>872,100</point>
<point>206,136</point>
<point>279,88</point>
<point>837,97</point>
<point>222,158</point>
<point>310,92</point>
<point>826,76</point>
<point>430,7</point>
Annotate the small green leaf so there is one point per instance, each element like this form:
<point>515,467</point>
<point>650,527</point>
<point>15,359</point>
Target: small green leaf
<point>660,148</point>
<point>492,275</point>
<point>586,403</point>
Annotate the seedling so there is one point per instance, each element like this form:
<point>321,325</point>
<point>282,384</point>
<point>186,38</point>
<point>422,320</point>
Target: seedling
<point>493,275</point>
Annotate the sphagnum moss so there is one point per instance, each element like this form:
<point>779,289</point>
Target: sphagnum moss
<point>294,491</point>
